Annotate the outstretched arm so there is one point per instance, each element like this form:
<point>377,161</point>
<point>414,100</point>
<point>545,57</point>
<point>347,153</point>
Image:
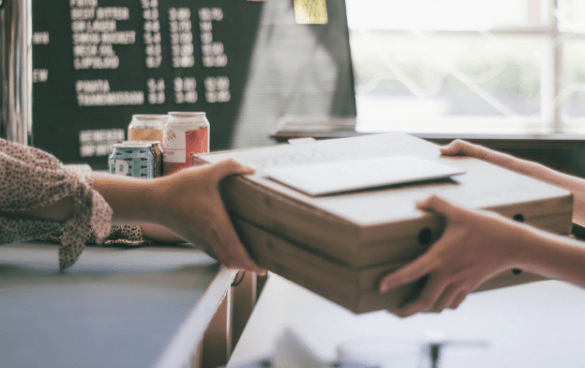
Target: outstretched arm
<point>571,183</point>
<point>57,212</point>
<point>186,203</point>
<point>476,246</point>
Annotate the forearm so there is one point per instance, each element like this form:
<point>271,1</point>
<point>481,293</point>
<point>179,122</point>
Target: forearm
<point>133,200</point>
<point>577,187</point>
<point>538,171</point>
<point>553,256</point>
<point>60,211</point>
<point>571,183</point>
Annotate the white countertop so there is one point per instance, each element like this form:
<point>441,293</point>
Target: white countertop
<point>535,325</point>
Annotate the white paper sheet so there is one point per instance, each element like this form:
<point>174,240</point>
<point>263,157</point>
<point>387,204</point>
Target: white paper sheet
<point>349,175</point>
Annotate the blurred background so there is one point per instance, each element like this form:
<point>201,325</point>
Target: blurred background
<point>507,73</point>
<point>457,66</point>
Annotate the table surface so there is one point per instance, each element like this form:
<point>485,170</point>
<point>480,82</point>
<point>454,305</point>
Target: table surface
<point>115,307</point>
<point>535,325</point>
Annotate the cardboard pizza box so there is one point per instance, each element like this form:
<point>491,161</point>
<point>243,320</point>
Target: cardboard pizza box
<point>379,226</point>
<point>354,289</point>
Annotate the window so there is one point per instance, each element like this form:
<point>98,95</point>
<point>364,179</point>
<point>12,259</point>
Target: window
<point>460,66</point>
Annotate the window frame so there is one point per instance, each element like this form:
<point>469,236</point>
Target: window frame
<point>549,124</point>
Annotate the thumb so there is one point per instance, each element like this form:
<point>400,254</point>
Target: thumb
<point>231,167</point>
<point>453,148</point>
<point>438,205</point>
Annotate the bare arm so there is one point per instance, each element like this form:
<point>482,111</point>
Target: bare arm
<point>60,211</point>
<point>186,203</point>
<point>476,246</point>
<point>571,183</point>
<point>129,198</point>
<point>133,200</point>
<point>555,257</point>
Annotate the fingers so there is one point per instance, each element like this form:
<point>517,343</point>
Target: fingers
<point>223,237</point>
<point>459,147</point>
<point>230,167</point>
<point>439,205</point>
<point>227,240</point>
<point>458,299</point>
<point>445,287</point>
<point>196,211</point>
<point>435,297</point>
<point>232,254</point>
<point>407,274</point>
<point>218,251</point>
<point>431,293</point>
<point>445,299</point>
<point>451,298</point>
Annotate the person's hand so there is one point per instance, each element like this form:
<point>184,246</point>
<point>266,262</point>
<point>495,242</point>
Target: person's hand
<point>529,168</point>
<point>190,206</point>
<point>533,169</point>
<point>474,247</point>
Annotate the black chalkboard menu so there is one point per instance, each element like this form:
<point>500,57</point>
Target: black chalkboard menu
<point>245,63</point>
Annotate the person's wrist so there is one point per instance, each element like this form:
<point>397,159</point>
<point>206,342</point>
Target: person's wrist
<point>533,250</point>
<point>154,194</point>
<point>519,245</point>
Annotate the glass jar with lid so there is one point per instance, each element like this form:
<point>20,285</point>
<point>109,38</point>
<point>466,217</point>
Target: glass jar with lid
<point>146,127</point>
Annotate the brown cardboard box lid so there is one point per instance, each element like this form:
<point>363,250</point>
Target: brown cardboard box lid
<point>380,225</point>
<point>482,186</point>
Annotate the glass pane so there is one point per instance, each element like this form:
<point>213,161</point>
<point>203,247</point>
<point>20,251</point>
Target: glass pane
<point>572,94</point>
<point>409,78</point>
<point>444,14</point>
<point>571,15</point>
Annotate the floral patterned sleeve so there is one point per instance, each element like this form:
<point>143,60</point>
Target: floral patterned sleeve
<point>120,235</point>
<point>31,178</point>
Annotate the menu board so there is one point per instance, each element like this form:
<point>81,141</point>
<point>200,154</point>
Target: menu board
<point>98,62</point>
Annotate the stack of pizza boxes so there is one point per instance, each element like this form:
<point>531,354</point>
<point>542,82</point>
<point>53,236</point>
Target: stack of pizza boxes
<point>340,245</point>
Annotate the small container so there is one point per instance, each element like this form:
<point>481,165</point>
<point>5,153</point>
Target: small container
<point>157,151</point>
<point>146,127</point>
<point>134,158</point>
<point>184,133</point>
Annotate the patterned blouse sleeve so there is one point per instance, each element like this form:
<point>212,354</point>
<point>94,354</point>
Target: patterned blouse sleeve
<point>31,178</point>
<point>127,236</point>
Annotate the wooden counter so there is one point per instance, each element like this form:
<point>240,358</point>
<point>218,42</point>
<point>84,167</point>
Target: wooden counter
<point>141,307</point>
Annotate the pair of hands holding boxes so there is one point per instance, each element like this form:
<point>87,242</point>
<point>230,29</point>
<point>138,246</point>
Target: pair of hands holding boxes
<point>474,247</point>
<point>477,245</point>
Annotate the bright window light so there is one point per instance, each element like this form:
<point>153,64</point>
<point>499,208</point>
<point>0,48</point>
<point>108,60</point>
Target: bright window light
<point>460,66</point>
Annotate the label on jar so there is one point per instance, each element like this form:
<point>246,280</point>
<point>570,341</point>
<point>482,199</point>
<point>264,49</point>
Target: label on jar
<point>180,144</point>
<point>145,135</point>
